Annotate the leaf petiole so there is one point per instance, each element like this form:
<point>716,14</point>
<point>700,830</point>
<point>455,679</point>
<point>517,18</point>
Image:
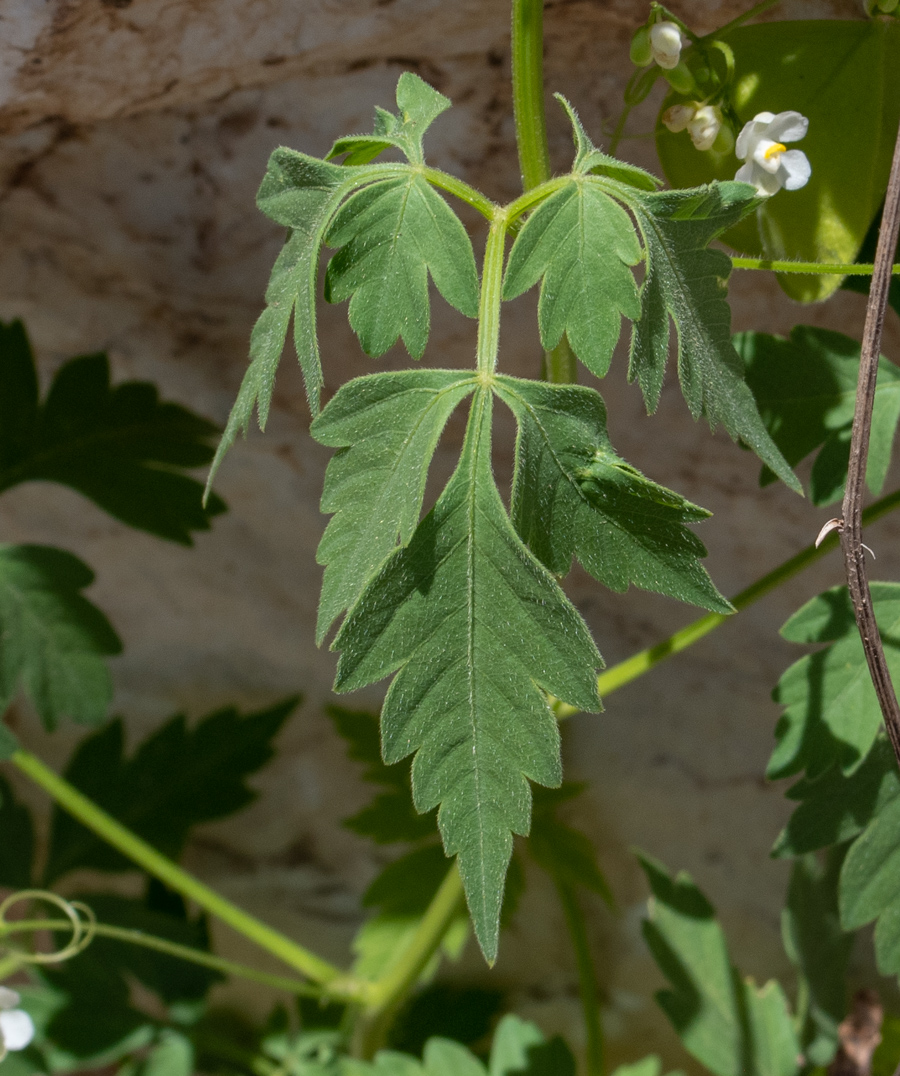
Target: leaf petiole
<point>810,268</point>
<point>461,190</point>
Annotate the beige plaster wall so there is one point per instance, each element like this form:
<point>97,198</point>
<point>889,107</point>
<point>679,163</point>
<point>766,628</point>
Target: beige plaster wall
<point>133,134</point>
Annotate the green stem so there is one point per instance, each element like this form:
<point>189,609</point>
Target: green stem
<point>461,190</point>
<point>528,91</point>
<point>560,365</point>
<point>141,853</point>
<point>634,667</point>
<point>757,9</point>
<point>491,294</point>
<point>388,994</point>
<point>170,948</point>
<point>587,976</point>
<point>811,268</point>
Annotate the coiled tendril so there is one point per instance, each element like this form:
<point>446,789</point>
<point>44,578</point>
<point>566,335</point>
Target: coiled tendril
<point>81,921</point>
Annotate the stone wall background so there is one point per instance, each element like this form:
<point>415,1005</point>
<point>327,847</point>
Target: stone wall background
<point>133,135</point>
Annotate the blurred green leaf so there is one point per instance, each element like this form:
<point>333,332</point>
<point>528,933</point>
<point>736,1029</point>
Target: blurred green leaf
<point>866,256</point>
<point>173,1055</point>
<point>521,1049</point>
<point>565,853</point>
<point>121,447</point>
<point>820,951</point>
<point>391,816</point>
<point>465,1014</point>
<point>731,1026</point>
<point>845,78</point>
<point>394,233</point>
<point>805,388</point>
<point>54,640</point>
<point>387,427</point>
<point>176,779</point>
<point>16,841</point>
<point>832,712</point>
<point>572,495</point>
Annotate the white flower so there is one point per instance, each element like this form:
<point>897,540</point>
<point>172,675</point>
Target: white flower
<point>16,1028</point>
<point>677,117</point>
<point>665,44</point>
<point>705,126</point>
<point>770,165</point>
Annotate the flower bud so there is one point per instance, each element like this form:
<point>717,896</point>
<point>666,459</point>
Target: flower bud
<point>704,127</point>
<point>641,50</point>
<point>677,117</point>
<point>665,44</point>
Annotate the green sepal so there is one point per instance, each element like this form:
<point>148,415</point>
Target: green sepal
<point>122,447</point>
<point>805,388</point>
<point>387,427</point>
<point>54,640</point>
<point>476,630</point>
<point>685,282</point>
<point>573,495</point>
<point>729,1024</point>
<point>394,233</point>
<point>418,106</point>
<point>580,243</point>
<point>832,713</point>
<point>590,159</point>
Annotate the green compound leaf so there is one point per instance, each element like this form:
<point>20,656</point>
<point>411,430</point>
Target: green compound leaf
<point>819,949</point>
<point>392,234</point>
<point>685,281</point>
<point>387,427</point>
<point>832,711</point>
<point>53,641</point>
<point>835,807</point>
<point>121,447</point>
<point>390,817</point>
<point>476,630</point>
<point>572,495</point>
<point>805,388</point>
<point>730,1026</point>
<point>418,104</point>
<point>870,885</point>
<point>176,779</point>
<point>565,853</point>
<point>580,244</point>
<point>301,193</point>
<point>402,893</point>
<point>845,78</point>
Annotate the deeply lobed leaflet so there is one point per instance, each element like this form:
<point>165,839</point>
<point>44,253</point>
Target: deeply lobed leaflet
<point>463,607</point>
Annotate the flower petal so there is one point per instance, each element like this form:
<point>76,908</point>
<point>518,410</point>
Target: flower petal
<point>749,136</point>
<point>16,1028</point>
<point>745,173</point>
<point>796,169</point>
<point>788,127</point>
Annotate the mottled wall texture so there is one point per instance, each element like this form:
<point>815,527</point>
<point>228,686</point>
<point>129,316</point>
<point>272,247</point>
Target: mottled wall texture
<point>133,135</point>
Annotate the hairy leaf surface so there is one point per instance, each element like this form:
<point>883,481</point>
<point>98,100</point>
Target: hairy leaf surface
<point>819,949</point>
<point>730,1026</point>
<point>387,427</point>
<point>832,712</point>
<point>590,160</point>
<point>177,778</point>
<point>476,630</point>
<point>572,495</point>
<point>418,106</point>
<point>392,234</point>
<point>122,447</point>
<point>301,193</point>
<point>805,388</point>
<point>685,281</point>
<point>580,243</point>
<point>53,641</point>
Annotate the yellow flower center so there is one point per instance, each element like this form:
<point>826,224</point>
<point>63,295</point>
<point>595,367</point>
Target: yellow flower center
<point>774,149</point>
